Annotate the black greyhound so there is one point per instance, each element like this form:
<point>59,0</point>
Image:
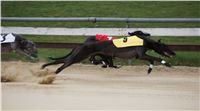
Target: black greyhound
<point>107,61</point>
<point>20,45</point>
<point>107,48</point>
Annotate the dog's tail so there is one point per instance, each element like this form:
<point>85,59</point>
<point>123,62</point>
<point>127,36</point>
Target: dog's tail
<point>58,58</point>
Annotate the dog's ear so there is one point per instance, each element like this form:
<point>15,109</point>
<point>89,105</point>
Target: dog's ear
<point>147,34</point>
<point>129,33</point>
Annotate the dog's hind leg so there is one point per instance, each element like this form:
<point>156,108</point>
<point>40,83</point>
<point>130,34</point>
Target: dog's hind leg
<point>57,58</point>
<point>64,66</point>
<point>103,60</point>
<point>78,55</point>
<point>110,62</point>
<point>71,60</point>
<point>107,61</point>
<point>52,63</point>
<point>94,61</point>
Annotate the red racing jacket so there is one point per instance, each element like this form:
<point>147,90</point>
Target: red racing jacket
<point>102,37</point>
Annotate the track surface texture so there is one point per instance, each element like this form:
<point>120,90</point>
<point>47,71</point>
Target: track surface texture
<point>90,87</point>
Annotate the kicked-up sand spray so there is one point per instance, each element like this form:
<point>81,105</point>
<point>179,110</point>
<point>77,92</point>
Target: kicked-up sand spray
<point>26,72</point>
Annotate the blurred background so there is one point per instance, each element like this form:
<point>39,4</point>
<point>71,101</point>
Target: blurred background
<point>114,9</point>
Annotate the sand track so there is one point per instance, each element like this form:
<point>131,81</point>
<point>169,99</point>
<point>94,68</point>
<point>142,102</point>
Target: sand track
<point>91,87</point>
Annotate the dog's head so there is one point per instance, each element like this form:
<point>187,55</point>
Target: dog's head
<point>24,46</point>
<point>163,49</point>
<point>139,33</point>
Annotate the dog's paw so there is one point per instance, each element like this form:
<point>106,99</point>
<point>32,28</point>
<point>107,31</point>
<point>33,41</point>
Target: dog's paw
<point>104,66</point>
<point>149,70</point>
<point>43,66</point>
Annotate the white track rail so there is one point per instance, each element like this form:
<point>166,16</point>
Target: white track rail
<point>92,31</point>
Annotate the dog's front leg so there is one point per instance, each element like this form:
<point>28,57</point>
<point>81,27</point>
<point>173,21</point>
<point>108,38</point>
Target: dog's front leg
<point>151,59</point>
